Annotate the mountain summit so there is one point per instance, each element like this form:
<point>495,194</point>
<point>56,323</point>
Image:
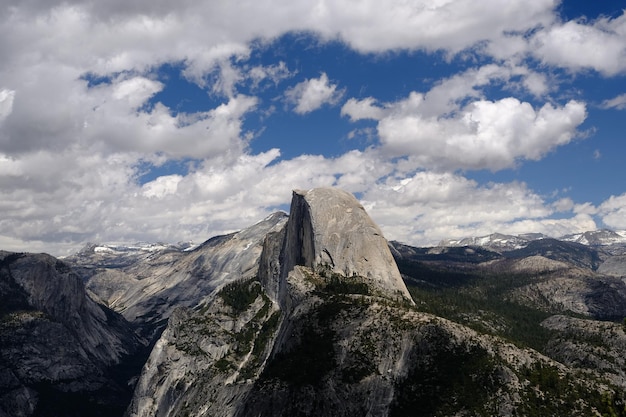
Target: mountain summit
<point>329,229</point>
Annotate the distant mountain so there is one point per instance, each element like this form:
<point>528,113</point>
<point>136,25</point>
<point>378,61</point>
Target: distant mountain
<point>547,274</point>
<point>94,256</point>
<point>573,253</point>
<point>495,241</point>
<point>602,237</point>
<point>611,241</point>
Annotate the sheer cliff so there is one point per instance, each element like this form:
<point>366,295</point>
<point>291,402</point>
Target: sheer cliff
<point>329,229</point>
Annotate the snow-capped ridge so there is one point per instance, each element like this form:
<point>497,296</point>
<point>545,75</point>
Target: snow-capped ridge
<point>503,242</point>
<point>495,241</point>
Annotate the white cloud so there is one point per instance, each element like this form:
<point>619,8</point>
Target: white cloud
<point>135,91</point>
<point>427,207</point>
<point>453,127</point>
<point>452,25</point>
<point>274,73</point>
<point>111,118</point>
<point>613,212</point>
<point>162,186</point>
<point>311,94</point>
<point>618,102</point>
<point>362,109</point>
<point>578,45</point>
<point>482,135</point>
<point>6,103</point>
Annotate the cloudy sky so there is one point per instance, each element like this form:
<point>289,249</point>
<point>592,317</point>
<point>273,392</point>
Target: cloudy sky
<point>157,120</point>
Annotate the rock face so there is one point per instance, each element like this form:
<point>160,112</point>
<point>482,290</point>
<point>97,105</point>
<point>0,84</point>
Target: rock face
<point>328,228</point>
<point>229,348</point>
<point>147,291</point>
<point>55,341</point>
<point>614,266</point>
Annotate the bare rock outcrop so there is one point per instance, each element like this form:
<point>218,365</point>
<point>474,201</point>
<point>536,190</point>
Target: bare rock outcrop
<point>329,228</point>
<point>153,288</point>
<point>614,266</point>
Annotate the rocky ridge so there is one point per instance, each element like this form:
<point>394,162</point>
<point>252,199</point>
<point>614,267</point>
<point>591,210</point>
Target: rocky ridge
<point>612,242</point>
<point>146,289</point>
<point>55,341</point>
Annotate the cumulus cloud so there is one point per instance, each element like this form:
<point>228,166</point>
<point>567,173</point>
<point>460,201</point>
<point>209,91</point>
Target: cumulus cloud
<point>362,109</point>
<point>311,94</point>
<point>483,135</point>
<point>428,207</point>
<point>448,94</point>
<point>112,117</point>
<point>449,25</point>
<point>453,127</point>
<point>613,212</point>
<point>578,45</point>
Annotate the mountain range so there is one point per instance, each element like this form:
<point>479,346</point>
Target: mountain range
<point>609,240</point>
<point>316,314</point>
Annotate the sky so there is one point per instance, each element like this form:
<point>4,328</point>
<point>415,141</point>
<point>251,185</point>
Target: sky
<point>164,121</point>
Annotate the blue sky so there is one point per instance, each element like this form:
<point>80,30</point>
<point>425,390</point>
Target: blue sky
<point>176,121</point>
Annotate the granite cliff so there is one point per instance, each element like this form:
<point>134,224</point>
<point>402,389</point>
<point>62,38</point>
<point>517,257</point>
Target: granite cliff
<point>58,348</point>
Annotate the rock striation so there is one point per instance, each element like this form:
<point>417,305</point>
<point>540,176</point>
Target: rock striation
<point>329,228</point>
<point>148,290</point>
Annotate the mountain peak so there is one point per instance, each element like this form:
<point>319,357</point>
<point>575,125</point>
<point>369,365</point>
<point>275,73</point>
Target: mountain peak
<point>329,228</point>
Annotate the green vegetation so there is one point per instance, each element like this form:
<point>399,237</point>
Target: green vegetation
<point>552,393</point>
<point>447,379</point>
<point>346,285</point>
<point>358,367</point>
<point>239,295</point>
<point>335,283</point>
<point>264,335</point>
<point>308,361</point>
<point>479,301</point>
<point>252,338</point>
<point>312,357</point>
<point>482,300</point>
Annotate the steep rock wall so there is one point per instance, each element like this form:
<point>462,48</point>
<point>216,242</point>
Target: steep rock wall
<point>329,228</point>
